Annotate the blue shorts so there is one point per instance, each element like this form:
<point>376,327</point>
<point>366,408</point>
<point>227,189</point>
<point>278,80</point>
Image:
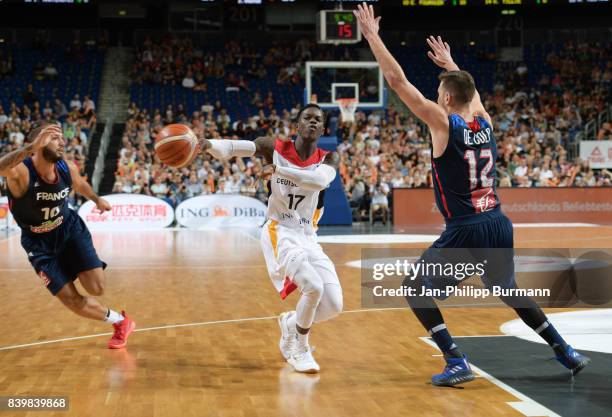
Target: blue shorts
<point>485,238</point>
<point>59,256</point>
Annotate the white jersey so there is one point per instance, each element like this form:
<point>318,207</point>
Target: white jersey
<point>290,205</point>
<point>288,238</point>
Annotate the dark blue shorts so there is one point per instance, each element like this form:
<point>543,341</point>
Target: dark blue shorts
<point>486,238</point>
<point>59,256</point>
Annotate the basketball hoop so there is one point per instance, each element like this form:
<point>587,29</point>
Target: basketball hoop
<point>347,106</point>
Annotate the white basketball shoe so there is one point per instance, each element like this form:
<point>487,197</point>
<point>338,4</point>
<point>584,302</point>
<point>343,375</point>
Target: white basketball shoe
<point>303,361</point>
<point>288,339</point>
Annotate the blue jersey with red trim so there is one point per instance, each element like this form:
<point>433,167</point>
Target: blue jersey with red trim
<point>44,207</point>
<point>464,175</point>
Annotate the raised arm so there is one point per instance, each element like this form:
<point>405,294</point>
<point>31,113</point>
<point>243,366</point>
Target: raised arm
<point>11,165</point>
<point>426,110</point>
<point>440,54</point>
<point>10,161</point>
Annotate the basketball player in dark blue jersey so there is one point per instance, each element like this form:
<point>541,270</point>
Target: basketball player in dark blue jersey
<point>56,239</point>
<point>463,169</point>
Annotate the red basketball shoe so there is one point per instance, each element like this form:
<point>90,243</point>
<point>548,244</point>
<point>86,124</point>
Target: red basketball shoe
<point>122,332</point>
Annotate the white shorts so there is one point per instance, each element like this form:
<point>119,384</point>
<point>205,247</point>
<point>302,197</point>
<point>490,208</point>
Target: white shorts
<point>284,250</point>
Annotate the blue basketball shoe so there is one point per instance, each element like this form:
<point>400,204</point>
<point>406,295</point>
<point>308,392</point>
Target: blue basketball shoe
<point>573,360</point>
<point>457,371</point>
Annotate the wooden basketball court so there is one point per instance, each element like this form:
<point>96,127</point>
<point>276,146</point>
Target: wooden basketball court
<point>207,338</point>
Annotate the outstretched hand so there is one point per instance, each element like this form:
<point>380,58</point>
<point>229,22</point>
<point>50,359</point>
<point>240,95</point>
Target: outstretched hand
<point>368,24</point>
<point>267,171</point>
<point>440,54</point>
<point>205,144</point>
<point>103,205</point>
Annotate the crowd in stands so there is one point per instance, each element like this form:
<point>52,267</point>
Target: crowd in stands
<point>16,121</point>
<point>534,125</point>
<point>179,62</point>
<point>36,84</point>
<point>537,124</point>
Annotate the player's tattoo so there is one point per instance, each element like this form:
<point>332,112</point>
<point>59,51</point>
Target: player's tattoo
<point>12,159</point>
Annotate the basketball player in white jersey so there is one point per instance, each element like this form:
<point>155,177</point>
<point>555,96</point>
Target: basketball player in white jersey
<point>299,172</point>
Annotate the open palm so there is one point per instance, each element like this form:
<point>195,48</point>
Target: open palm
<point>440,53</point>
<point>368,24</point>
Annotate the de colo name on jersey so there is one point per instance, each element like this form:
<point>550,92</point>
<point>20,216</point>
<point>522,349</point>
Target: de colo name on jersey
<point>476,138</point>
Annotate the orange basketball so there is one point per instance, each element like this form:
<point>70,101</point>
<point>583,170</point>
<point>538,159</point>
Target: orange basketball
<point>176,145</point>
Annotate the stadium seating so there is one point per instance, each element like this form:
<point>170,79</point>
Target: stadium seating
<point>80,76</point>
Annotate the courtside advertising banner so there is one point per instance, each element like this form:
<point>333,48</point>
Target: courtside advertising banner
<point>129,212</point>
<point>597,152</point>
<point>6,218</point>
<point>417,207</point>
<point>221,211</point>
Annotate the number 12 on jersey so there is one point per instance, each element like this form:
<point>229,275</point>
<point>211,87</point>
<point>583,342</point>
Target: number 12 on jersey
<point>485,181</point>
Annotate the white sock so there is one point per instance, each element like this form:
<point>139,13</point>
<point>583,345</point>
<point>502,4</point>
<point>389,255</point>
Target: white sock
<point>291,324</point>
<point>113,317</point>
<point>302,339</point>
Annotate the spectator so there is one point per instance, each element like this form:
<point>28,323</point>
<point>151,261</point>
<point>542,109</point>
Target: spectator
<point>605,132</point>
<point>3,116</point>
<point>59,109</point>
<point>89,106</point>
<point>159,189</point>
<point>50,72</point>
<point>75,103</point>
<point>188,81</point>
<point>380,202</point>
<point>29,96</point>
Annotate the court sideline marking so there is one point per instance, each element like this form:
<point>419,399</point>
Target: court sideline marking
<point>152,266</point>
<point>175,326</point>
<point>209,323</point>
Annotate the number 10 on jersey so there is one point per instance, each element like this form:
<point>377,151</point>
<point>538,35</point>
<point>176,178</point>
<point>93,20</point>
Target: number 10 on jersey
<point>50,212</point>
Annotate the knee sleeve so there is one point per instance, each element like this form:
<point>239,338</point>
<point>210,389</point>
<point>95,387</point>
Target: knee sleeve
<point>331,303</point>
<point>308,280</point>
<point>311,286</point>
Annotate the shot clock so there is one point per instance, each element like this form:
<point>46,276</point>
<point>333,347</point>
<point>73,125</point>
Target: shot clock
<point>337,26</point>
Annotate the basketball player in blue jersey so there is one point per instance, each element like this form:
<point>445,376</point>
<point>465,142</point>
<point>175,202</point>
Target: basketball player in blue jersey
<point>56,239</point>
<point>463,169</point>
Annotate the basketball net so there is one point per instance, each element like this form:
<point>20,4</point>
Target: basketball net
<point>347,106</point>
